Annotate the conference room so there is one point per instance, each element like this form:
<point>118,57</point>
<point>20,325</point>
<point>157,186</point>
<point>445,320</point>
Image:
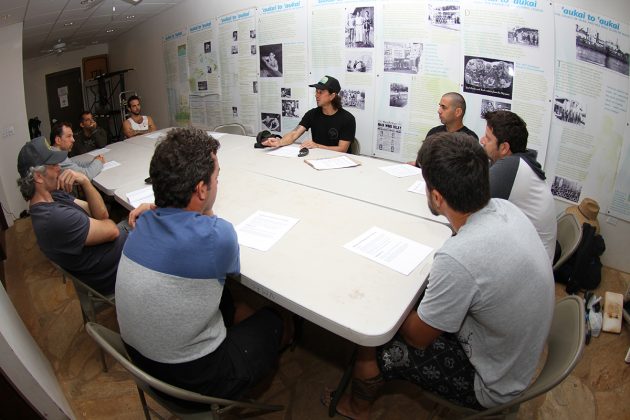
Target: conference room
<point>343,293</point>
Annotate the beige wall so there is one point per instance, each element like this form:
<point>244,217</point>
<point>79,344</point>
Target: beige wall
<point>12,114</point>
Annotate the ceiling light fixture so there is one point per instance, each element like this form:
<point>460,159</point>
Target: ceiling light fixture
<point>130,17</point>
<point>109,31</point>
<point>68,24</point>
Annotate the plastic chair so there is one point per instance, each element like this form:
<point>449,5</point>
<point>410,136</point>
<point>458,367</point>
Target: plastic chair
<point>209,407</point>
<point>232,128</point>
<point>90,301</point>
<point>564,349</point>
<point>355,147</point>
<point>569,235</point>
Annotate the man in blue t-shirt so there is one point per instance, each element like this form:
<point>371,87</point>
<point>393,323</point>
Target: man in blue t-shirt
<point>332,127</point>
<point>176,318</point>
<point>76,234</point>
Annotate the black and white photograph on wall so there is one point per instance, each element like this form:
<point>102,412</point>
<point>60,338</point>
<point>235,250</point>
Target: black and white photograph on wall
<point>235,36</point>
<point>402,57</point>
<point>271,121</point>
<point>444,15</point>
<point>352,98</point>
<point>291,108</point>
<point>271,60</point>
<point>593,47</point>
<point>253,49</point>
<point>252,34</point>
<point>234,49</point>
<point>202,85</point>
<point>488,76</point>
<point>565,188</point>
<point>209,69</point>
<point>570,111</point>
<point>358,61</point>
<point>285,92</point>
<point>234,111</point>
<point>490,106</point>
<point>255,86</point>
<point>398,95</point>
<point>389,136</point>
<point>360,28</point>
<point>523,36</point>
<point>207,47</point>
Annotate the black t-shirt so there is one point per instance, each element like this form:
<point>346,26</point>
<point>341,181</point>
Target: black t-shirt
<point>442,128</point>
<point>61,228</point>
<point>329,129</point>
<point>84,144</point>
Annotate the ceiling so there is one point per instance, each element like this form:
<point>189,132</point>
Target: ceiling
<point>78,25</point>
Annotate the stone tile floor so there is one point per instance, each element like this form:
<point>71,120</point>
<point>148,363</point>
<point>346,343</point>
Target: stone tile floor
<point>597,389</point>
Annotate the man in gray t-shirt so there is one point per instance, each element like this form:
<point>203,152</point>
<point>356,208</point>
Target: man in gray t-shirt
<point>482,324</point>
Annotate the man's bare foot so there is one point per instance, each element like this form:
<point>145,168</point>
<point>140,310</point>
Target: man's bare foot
<point>344,405</point>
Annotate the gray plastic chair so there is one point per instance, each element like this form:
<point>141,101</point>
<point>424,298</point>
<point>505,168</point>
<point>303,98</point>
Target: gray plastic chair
<point>569,235</point>
<point>564,349</point>
<point>90,300</point>
<point>355,147</point>
<point>232,128</point>
<point>111,342</point>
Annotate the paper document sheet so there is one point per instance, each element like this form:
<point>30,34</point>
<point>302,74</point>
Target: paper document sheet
<point>109,165</point>
<point>97,152</point>
<point>143,195</point>
<point>262,230</point>
<point>419,187</point>
<point>286,151</point>
<point>332,163</point>
<point>391,250</point>
<point>401,170</point>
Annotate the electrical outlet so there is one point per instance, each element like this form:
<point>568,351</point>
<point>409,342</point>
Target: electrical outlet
<point>8,131</point>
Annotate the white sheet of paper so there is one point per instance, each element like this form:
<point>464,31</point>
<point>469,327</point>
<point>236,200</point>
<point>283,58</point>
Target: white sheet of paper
<point>418,187</point>
<point>262,230</point>
<point>155,135</point>
<point>401,170</point>
<point>109,165</point>
<point>143,195</point>
<point>286,151</point>
<point>97,152</point>
<point>391,250</point>
<point>333,163</point>
<point>216,134</point>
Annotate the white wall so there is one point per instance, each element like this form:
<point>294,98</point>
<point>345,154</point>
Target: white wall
<point>12,114</point>
<point>142,50</point>
<point>35,71</point>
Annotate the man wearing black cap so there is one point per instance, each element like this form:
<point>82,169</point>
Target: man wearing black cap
<point>77,235</point>
<point>332,127</point>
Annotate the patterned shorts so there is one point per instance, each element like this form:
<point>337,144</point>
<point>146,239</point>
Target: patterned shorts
<point>442,368</point>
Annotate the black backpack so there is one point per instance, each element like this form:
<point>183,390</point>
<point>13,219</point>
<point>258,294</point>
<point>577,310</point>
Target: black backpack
<point>583,271</point>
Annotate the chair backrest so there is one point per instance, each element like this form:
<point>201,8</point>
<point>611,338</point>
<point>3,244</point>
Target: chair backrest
<point>83,290</point>
<point>569,235</point>
<point>355,147</point>
<point>565,345</point>
<point>111,342</point>
<point>232,128</point>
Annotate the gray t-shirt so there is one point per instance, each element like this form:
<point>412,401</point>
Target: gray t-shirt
<point>492,285</point>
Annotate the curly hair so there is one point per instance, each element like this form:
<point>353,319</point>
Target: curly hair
<point>457,167</point>
<point>508,127</point>
<point>180,161</point>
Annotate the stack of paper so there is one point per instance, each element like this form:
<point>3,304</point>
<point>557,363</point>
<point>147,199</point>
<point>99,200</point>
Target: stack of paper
<point>332,163</point>
<point>286,151</point>
<point>143,195</point>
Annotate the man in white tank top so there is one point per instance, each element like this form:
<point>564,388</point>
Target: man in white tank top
<point>137,124</point>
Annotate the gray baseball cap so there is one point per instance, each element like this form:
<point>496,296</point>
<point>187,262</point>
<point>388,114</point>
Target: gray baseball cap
<point>38,152</point>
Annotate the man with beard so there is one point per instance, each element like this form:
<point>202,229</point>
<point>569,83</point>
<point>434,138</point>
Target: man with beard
<point>136,124</point>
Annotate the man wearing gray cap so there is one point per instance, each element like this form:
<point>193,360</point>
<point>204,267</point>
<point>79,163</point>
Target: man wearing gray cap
<point>75,234</point>
<point>332,127</point>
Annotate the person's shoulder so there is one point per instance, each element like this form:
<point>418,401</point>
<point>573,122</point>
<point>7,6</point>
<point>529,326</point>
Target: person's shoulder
<point>436,129</point>
<point>469,132</point>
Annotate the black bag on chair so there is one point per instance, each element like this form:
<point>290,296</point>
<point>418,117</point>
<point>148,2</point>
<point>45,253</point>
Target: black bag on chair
<point>583,271</point>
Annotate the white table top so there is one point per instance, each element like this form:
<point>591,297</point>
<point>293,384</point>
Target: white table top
<point>309,271</point>
<point>134,164</point>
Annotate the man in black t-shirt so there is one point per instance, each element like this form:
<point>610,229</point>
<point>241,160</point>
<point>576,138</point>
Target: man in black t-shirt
<point>332,127</point>
<point>75,234</point>
<point>451,110</point>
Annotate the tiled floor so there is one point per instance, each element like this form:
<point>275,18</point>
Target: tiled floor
<point>597,389</point>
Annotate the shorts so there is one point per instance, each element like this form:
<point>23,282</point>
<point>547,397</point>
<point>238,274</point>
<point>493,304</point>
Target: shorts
<point>442,368</point>
<point>247,355</point>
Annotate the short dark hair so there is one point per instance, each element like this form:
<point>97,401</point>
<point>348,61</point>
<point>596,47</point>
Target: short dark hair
<point>180,161</point>
<point>84,113</point>
<point>57,130</point>
<point>509,128</point>
<point>458,101</point>
<point>131,98</point>
<point>456,166</point>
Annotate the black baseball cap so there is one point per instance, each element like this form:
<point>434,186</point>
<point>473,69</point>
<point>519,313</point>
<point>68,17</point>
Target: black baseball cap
<point>38,152</point>
<point>329,83</point>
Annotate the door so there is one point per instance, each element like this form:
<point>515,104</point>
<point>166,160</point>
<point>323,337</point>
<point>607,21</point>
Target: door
<point>65,96</point>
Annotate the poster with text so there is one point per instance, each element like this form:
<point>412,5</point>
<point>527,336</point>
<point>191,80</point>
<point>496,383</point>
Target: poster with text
<point>590,107</point>
<point>508,50</point>
<point>176,62</point>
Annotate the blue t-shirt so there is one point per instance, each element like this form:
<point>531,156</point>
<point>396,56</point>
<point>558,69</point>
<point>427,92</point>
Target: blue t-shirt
<point>61,228</point>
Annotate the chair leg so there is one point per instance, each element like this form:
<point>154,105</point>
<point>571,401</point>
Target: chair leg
<point>103,363</point>
<point>347,375</point>
<point>145,407</point>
